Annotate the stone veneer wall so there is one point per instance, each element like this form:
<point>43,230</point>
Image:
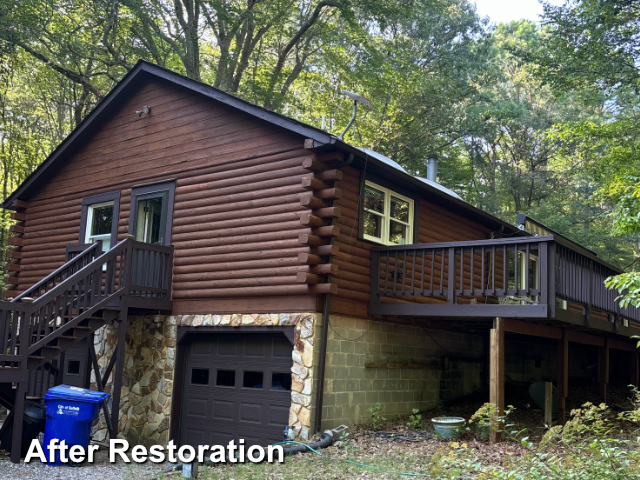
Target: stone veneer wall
<point>145,406</point>
<point>351,389</point>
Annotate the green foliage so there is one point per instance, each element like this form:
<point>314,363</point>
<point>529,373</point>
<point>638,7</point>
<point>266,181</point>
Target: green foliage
<point>415,420</point>
<point>488,418</point>
<point>376,418</point>
<point>586,447</point>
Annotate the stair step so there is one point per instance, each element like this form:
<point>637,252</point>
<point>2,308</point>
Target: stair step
<point>65,337</point>
<point>52,347</point>
<point>80,327</point>
<point>35,357</point>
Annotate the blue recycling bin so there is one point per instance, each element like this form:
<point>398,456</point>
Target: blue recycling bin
<point>70,414</point>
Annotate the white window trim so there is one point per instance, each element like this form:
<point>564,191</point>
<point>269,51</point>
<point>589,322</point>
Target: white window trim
<point>88,238</point>
<point>386,224</point>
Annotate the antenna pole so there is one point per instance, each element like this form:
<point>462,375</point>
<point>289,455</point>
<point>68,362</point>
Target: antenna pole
<point>351,122</point>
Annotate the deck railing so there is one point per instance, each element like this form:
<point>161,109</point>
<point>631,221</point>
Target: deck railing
<point>85,284</point>
<point>515,277</point>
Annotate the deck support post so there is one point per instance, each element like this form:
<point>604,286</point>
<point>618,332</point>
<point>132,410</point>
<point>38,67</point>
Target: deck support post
<point>563,376</point>
<point>633,371</point>
<point>603,369</point>
<point>496,389</point>
<point>548,404</point>
<point>18,419</point>
<point>123,326</point>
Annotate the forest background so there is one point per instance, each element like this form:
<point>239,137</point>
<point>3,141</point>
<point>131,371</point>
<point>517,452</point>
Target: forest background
<point>535,118</point>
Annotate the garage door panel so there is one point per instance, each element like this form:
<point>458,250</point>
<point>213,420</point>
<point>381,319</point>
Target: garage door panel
<point>227,347</point>
<point>281,350</point>
<point>255,408</point>
<point>197,436</point>
<point>278,415</point>
<point>197,407</point>
<point>255,347</point>
<point>223,409</point>
<point>251,412</point>
<point>201,348</point>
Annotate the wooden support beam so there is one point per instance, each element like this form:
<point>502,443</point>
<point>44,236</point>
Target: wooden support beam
<point>308,278</point>
<point>622,345</point>
<point>20,217</point>
<point>327,250</point>
<point>312,183</point>
<point>99,383</point>
<point>548,404</point>
<point>329,194</point>
<point>11,280</point>
<point>603,370</point>
<point>15,254</point>
<point>496,382</point>
<point>311,220</point>
<point>332,175</point>
<point>309,259</point>
<point>313,164</point>
<point>307,200</point>
<point>16,229</point>
<point>328,231</point>
<point>336,156</point>
<point>16,241</point>
<point>329,212</point>
<point>324,269</point>
<point>311,240</point>
<point>119,372</point>
<point>526,328</point>
<point>585,338</point>
<point>18,416</point>
<point>20,204</point>
<point>562,376</point>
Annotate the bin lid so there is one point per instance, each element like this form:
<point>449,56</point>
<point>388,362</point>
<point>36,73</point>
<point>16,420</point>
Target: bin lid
<point>34,411</point>
<point>67,392</point>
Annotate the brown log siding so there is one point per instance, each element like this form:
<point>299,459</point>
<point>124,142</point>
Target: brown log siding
<point>237,201</point>
<point>236,225</point>
<point>436,224</point>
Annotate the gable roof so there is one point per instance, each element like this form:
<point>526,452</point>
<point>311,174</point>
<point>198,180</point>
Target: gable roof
<point>318,139</point>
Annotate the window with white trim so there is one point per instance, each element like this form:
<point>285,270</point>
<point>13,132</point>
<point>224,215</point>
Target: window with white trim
<point>387,216</point>
<point>99,224</point>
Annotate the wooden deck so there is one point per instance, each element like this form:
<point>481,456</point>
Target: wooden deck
<point>542,277</point>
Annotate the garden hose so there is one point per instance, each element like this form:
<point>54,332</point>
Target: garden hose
<point>304,446</point>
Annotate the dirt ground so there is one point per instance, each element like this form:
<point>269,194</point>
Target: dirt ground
<point>386,454</point>
<point>527,415</point>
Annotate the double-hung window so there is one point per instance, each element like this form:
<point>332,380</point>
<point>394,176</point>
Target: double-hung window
<point>99,219</point>
<point>387,216</point>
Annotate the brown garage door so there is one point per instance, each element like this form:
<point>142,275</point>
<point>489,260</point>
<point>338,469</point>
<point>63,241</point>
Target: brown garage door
<point>236,386</point>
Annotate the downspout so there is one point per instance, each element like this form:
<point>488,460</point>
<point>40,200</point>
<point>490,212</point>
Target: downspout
<point>321,366</point>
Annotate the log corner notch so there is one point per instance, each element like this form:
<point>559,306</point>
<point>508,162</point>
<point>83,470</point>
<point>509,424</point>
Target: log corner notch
<point>15,241</point>
<point>320,198</point>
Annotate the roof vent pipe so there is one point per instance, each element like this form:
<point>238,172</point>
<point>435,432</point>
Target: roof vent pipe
<point>432,168</point>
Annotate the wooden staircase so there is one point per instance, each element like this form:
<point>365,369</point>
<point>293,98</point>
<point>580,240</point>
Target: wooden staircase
<point>90,290</point>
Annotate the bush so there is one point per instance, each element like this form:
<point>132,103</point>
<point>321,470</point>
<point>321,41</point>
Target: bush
<point>592,445</point>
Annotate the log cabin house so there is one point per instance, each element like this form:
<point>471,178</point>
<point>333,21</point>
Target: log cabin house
<point>223,271</point>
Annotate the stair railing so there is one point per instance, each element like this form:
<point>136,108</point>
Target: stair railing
<point>86,284</point>
<point>80,260</point>
<point>73,300</point>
